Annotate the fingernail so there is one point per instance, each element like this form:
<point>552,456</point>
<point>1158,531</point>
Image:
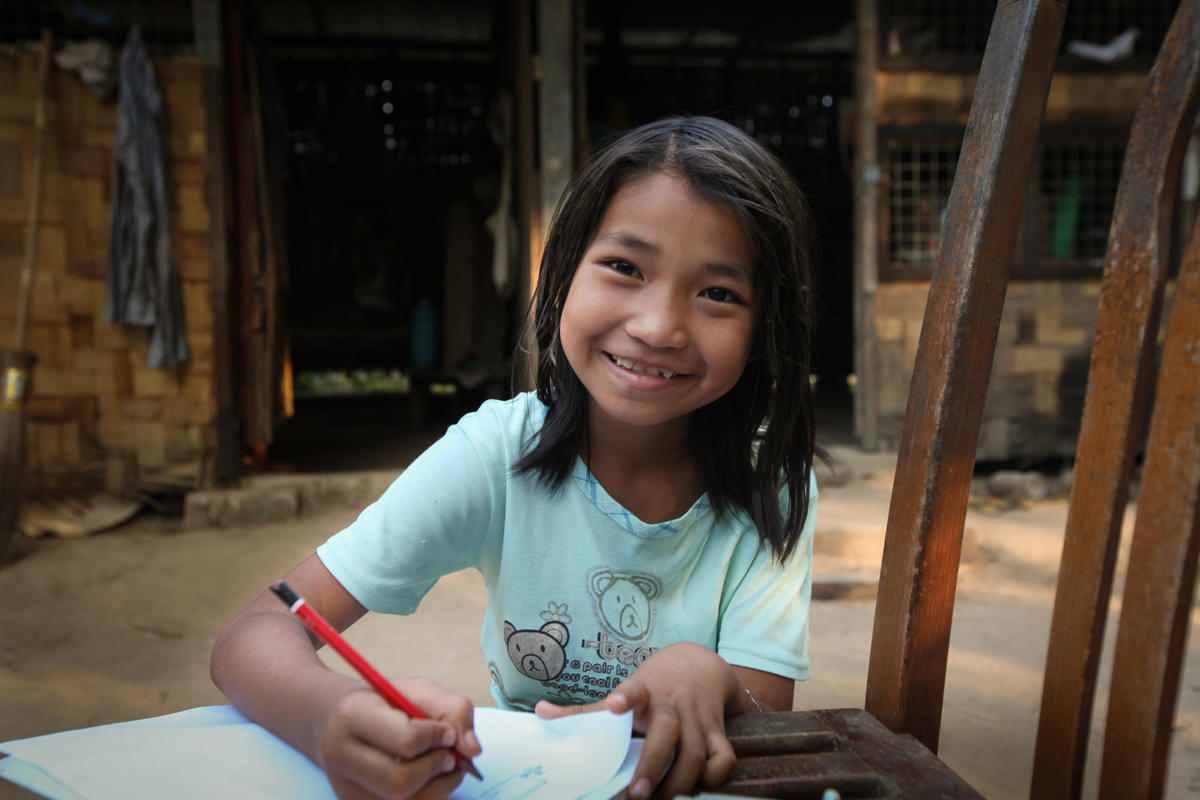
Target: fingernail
<point>449,763</point>
<point>640,789</point>
<point>472,742</point>
<point>448,738</point>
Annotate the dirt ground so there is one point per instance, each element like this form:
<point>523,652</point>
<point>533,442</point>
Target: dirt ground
<point>118,625</point>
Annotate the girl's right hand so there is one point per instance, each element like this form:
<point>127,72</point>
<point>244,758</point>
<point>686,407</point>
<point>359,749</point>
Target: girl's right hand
<point>371,750</point>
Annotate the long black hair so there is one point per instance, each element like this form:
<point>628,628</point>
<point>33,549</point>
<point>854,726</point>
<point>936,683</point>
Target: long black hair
<point>759,436</point>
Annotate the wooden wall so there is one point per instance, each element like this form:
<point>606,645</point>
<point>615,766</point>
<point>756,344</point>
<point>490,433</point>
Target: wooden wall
<point>98,415</point>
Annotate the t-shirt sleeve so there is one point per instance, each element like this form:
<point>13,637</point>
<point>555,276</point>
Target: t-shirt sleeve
<point>765,623</point>
<point>431,521</point>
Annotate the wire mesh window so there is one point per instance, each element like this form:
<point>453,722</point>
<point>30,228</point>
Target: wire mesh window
<point>1077,192</point>
<point>954,29</point>
<point>403,118</point>
<point>920,175</point>
<point>382,143</point>
<point>1069,205</point>
<point>1102,22</point>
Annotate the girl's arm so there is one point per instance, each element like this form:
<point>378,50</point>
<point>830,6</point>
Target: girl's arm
<point>265,661</point>
<point>768,691</point>
<point>680,697</point>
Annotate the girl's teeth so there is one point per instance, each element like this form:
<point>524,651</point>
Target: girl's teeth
<point>641,370</point>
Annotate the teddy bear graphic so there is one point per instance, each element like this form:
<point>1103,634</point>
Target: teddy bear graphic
<point>538,654</point>
<point>623,601</point>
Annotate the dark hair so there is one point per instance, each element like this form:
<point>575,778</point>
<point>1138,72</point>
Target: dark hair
<point>761,432</point>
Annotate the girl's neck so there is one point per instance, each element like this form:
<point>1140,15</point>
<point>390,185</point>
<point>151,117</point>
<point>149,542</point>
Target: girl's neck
<point>648,470</point>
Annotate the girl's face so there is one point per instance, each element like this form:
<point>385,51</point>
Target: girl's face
<point>660,314</point>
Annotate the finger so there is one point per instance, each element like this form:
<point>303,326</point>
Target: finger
<point>387,776</point>
<point>442,786</point>
<point>448,707</point>
<point>547,710</point>
<point>633,696</point>
<point>690,758</point>
<point>662,736</point>
<point>721,759</point>
<point>439,703</point>
<point>398,734</point>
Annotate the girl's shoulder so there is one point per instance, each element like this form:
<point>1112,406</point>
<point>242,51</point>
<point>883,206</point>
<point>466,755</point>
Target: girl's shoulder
<point>516,418</point>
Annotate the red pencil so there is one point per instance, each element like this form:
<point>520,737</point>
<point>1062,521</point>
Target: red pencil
<point>331,637</point>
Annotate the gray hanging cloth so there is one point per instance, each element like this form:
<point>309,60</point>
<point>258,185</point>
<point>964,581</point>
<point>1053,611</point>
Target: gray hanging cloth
<point>143,281</point>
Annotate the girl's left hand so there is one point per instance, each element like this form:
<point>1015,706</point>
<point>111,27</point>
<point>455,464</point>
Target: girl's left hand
<point>679,698</point>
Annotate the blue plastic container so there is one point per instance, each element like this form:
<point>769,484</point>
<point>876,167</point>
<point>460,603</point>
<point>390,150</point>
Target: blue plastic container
<point>423,335</point>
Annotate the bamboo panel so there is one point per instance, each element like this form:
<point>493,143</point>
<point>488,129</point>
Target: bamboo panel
<point>148,382</point>
<point>194,256</point>
<point>98,412</point>
<point>12,240</point>
<point>151,444</point>
<point>81,331</point>
<point>199,310</point>
<point>10,171</point>
<point>143,409</point>
<point>191,208</point>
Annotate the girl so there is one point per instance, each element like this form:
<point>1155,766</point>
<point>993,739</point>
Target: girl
<point>644,521</point>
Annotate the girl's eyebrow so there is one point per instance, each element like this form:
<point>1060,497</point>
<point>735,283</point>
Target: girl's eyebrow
<point>634,242</point>
<point>732,271</point>
<point>629,240</point>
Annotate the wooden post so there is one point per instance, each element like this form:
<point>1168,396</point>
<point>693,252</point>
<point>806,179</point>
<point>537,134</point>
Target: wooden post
<point>866,222</point>
<point>556,111</point>
<point>529,231</point>
<point>209,23</point>
<point>247,269</point>
<point>582,149</point>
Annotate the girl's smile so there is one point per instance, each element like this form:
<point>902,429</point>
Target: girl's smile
<point>643,369</point>
<point>660,314</point>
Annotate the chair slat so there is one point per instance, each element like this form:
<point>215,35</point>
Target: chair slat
<point>1161,580</point>
<point>917,581</point>
<point>1114,409</point>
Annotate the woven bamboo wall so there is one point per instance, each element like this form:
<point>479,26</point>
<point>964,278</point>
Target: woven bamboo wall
<point>98,415</point>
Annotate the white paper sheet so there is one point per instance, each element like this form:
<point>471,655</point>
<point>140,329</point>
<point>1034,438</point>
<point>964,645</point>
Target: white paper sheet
<point>215,752</point>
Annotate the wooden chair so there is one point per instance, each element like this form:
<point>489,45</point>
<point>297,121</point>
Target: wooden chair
<point>887,749</point>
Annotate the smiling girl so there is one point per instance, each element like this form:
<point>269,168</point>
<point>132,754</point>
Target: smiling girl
<point>643,522</point>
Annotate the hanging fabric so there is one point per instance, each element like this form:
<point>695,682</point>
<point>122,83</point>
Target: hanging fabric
<point>143,280</point>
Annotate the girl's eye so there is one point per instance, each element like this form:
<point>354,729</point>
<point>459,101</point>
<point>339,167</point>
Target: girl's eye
<point>720,295</point>
<point>622,266</point>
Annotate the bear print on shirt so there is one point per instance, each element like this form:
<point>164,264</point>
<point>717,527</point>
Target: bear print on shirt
<point>538,654</point>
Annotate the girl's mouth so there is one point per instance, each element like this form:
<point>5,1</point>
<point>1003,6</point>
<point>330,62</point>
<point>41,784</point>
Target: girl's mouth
<point>640,369</point>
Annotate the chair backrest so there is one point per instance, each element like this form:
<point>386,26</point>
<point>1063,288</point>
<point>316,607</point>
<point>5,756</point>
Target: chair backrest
<point>1160,580</point>
<point>936,457</point>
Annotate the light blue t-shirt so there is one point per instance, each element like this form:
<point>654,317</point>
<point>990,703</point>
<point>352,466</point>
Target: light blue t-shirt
<point>580,591</point>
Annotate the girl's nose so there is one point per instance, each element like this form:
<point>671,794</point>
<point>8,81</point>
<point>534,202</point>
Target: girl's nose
<point>658,321</point>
